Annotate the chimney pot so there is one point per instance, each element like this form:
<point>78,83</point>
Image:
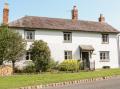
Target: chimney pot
<point>74,13</point>
<point>6,6</point>
<point>101,18</point>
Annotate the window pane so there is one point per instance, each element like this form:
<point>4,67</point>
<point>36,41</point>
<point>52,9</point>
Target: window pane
<point>30,35</point>
<point>65,53</point>
<point>68,54</point>
<point>104,55</point>
<point>67,36</point>
<point>28,56</point>
<point>105,38</point>
<point>66,57</point>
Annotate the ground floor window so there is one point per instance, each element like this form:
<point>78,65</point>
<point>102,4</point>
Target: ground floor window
<point>28,55</point>
<point>104,56</point>
<point>68,55</point>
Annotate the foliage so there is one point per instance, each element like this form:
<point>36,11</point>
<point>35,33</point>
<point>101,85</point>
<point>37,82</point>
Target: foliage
<point>52,65</point>
<point>106,67</point>
<point>12,46</point>
<point>40,54</point>
<point>82,65</point>
<point>1,61</point>
<point>30,68</point>
<point>17,70</point>
<point>69,65</point>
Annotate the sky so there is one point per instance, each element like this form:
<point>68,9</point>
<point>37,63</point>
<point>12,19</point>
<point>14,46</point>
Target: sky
<point>88,9</point>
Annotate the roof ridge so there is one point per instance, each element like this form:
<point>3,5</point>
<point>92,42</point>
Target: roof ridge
<point>61,24</point>
<point>62,19</point>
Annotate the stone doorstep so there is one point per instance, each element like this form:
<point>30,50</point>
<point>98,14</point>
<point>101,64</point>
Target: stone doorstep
<point>69,82</point>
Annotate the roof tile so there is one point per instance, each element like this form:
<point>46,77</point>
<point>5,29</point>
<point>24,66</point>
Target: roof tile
<point>61,24</point>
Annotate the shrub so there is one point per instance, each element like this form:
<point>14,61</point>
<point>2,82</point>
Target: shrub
<point>106,67</point>
<point>69,65</point>
<point>52,65</point>
<point>41,55</point>
<point>17,70</point>
<point>30,68</point>
<point>1,62</point>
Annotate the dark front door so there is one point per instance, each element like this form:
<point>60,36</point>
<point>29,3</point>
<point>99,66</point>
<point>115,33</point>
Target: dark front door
<point>86,62</point>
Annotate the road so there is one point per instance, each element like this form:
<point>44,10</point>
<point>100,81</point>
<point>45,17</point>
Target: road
<point>113,83</point>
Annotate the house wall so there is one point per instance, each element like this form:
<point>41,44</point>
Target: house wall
<point>57,46</point>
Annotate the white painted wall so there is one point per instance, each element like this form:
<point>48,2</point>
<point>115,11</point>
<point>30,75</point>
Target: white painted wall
<point>57,46</point>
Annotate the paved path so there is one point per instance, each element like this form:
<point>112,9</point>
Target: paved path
<point>113,83</point>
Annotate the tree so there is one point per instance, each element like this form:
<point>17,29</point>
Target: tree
<point>12,46</point>
<point>1,61</point>
<point>40,54</point>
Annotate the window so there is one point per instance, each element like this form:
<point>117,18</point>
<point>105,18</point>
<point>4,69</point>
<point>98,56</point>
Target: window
<point>105,38</point>
<point>68,55</point>
<point>104,56</point>
<point>67,37</point>
<point>29,35</point>
<point>28,55</point>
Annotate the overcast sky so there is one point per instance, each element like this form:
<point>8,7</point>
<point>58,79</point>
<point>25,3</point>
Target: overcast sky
<point>88,9</point>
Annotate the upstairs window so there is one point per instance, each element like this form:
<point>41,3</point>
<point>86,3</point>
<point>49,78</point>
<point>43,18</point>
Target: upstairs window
<point>104,56</point>
<point>68,55</point>
<point>67,37</point>
<point>30,35</point>
<point>105,38</point>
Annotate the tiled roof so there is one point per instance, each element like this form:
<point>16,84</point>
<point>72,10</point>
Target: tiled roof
<point>61,24</point>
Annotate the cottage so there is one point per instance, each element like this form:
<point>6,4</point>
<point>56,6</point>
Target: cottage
<point>88,41</point>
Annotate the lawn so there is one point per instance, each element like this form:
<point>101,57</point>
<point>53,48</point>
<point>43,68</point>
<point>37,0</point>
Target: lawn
<point>16,81</point>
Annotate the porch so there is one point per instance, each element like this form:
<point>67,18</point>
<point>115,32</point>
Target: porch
<point>86,52</point>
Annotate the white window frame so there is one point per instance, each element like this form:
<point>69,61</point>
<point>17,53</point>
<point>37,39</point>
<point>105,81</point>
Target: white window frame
<point>29,35</point>
<point>105,38</point>
<point>67,36</point>
<point>104,56</point>
<point>67,54</point>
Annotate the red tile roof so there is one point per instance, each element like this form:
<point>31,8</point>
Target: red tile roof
<point>61,24</point>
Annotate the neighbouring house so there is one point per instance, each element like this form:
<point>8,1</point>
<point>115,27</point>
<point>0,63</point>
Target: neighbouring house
<point>91,42</point>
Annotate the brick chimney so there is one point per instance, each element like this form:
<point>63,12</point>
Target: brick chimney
<point>74,13</point>
<point>101,18</point>
<point>5,14</point>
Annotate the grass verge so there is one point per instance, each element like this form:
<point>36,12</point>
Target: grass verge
<point>16,81</point>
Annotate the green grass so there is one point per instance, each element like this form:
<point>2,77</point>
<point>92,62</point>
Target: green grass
<point>16,81</point>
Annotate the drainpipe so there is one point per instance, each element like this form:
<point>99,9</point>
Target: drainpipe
<point>118,46</point>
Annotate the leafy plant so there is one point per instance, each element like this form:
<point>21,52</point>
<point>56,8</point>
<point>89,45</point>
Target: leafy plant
<point>12,46</point>
<point>69,65</point>
<point>30,68</point>
<point>53,65</point>
<point>40,54</point>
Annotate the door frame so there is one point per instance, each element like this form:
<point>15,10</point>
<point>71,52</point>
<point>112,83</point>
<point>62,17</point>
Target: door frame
<point>88,60</point>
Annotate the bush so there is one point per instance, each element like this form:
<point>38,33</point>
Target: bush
<point>1,62</point>
<point>69,65</point>
<point>106,67</point>
<point>29,69</point>
<point>40,55</point>
<point>52,65</point>
<point>17,70</point>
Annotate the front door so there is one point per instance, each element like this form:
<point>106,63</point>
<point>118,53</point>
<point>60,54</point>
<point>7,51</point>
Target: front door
<point>85,59</point>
